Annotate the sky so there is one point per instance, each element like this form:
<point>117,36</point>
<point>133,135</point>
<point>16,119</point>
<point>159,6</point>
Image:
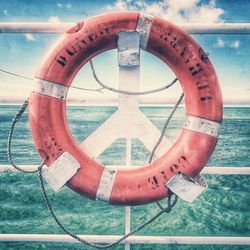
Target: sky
<point>23,53</point>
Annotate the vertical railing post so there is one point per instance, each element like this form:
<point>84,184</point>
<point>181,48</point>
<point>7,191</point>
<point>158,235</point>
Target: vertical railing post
<point>128,209</point>
<point>129,79</point>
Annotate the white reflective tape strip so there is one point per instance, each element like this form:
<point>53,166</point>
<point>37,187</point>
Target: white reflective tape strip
<point>106,183</point>
<point>202,125</point>
<point>143,27</point>
<point>62,170</point>
<point>52,89</point>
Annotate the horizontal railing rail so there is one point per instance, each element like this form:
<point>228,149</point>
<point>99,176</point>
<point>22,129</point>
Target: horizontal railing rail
<point>206,170</point>
<point>57,28</point>
<point>57,238</point>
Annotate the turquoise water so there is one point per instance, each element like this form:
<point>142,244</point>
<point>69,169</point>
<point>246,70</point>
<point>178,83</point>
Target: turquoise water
<point>223,210</point>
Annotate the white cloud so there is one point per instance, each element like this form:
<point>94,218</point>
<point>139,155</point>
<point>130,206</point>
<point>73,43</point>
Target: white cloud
<point>54,19</point>
<point>68,5</point>
<point>220,43</point>
<point>30,37</point>
<point>5,12</point>
<point>231,44</point>
<point>235,44</point>
<point>176,11</point>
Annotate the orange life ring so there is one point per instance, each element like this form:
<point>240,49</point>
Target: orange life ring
<point>203,105</point>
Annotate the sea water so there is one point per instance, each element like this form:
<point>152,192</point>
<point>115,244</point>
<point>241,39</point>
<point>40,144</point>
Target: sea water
<point>223,210</point>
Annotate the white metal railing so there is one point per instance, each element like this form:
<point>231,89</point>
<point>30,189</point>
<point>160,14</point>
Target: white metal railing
<point>191,240</point>
<point>131,240</point>
<point>192,28</point>
<point>206,170</point>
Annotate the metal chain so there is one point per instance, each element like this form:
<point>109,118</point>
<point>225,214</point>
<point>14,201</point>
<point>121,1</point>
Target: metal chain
<point>125,92</point>
<point>9,142</point>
